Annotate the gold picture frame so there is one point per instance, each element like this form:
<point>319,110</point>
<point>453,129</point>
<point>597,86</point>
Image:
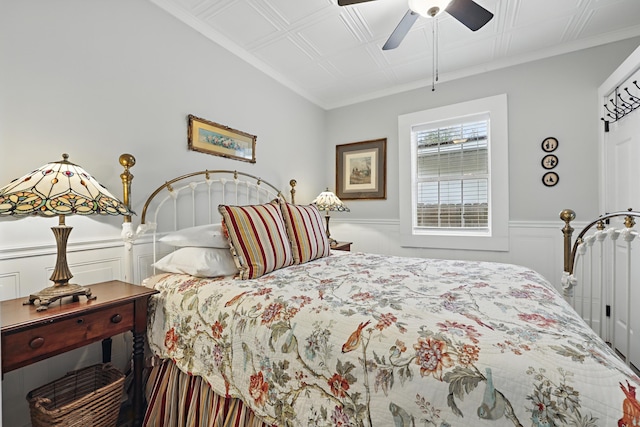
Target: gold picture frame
<point>213,138</point>
<point>361,170</point>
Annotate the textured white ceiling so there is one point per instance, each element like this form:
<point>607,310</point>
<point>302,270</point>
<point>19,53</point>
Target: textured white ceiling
<point>333,55</point>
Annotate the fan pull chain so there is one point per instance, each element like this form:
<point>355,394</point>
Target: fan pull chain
<point>437,49</point>
<point>434,74</point>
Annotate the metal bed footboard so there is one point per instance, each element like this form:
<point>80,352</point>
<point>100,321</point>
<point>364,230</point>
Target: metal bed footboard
<point>601,277</point>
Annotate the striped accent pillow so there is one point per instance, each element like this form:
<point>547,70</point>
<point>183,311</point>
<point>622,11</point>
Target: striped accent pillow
<point>258,238</point>
<point>306,232</point>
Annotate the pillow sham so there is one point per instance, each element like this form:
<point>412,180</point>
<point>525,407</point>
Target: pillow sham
<point>199,262</point>
<point>204,236</point>
<point>306,232</point>
<point>258,238</point>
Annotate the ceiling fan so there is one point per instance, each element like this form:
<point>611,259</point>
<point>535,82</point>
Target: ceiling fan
<point>468,12</point>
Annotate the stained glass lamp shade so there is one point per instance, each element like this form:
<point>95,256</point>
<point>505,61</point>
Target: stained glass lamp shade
<point>327,201</point>
<point>59,189</point>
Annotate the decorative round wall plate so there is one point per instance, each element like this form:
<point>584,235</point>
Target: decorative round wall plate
<point>549,161</point>
<point>549,144</point>
<point>550,179</point>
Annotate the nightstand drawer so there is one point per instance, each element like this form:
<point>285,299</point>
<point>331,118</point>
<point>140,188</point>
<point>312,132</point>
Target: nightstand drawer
<point>58,336</point>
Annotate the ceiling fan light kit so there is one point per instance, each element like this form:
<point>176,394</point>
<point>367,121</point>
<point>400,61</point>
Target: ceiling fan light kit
<point>428,8</point>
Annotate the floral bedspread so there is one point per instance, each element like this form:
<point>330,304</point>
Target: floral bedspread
<point>370,340</point>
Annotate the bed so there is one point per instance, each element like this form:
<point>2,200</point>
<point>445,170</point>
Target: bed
<point>246,332</point>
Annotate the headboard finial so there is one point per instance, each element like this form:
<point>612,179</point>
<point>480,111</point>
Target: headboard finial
<point>292,184</point>
<point>127,161</point>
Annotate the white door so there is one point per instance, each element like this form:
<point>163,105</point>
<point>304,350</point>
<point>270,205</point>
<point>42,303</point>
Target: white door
<point>621,191</point>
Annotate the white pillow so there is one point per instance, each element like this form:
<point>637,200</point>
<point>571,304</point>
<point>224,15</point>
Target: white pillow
<point>203,236</point>
<point>199,262</point>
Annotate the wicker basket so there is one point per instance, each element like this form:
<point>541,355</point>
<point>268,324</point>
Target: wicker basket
<point>86,397</point>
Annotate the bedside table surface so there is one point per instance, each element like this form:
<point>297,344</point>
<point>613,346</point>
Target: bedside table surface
<point>16,316</point>
<point>342,246</point>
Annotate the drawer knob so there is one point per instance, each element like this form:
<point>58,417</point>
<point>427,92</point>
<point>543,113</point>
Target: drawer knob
<point>80,321</point>
<point>117,318</point>
<point>36,342</point>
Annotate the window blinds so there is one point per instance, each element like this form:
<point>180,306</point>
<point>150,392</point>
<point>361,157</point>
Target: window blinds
<point>452,175</point>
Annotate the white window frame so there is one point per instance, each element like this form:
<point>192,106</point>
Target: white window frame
<point>497,237</point>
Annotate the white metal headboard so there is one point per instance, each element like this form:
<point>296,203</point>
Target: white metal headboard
<point>193,199</point>
<point>231,187</point>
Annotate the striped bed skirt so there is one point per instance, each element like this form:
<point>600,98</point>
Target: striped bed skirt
<point>176,399</point>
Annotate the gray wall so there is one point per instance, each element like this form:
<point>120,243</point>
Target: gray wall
<point>96,79</point>
<point>551,97</point>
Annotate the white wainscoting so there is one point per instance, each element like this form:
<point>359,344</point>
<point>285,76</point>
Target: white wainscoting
<point>537,245</point>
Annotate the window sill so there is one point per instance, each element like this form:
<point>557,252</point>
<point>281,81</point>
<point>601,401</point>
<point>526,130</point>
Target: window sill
<point>472,243</point>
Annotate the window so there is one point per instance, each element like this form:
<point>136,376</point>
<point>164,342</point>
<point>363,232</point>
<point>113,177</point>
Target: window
<point>454,176</point>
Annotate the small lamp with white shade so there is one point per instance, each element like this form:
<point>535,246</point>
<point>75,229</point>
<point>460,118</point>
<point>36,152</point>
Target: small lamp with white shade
<point>328,201</point>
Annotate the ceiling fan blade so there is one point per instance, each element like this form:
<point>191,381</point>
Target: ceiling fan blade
<point>401,30</point>
<point>348,2</point>
<point>469,13</point>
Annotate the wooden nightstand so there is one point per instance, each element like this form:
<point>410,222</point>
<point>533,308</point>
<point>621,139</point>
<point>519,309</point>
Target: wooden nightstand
<point>342,246</point>
<point>29,336</point>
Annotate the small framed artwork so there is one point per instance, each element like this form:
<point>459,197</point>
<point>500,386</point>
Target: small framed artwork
<point>361,170</point>
<point>549,161</point>
<point>550,179</point>
<point>549,144</point>
<point>213,138</point>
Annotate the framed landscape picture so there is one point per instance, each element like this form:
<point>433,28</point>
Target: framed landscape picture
<point>361,170</point>
<point>213,138</point>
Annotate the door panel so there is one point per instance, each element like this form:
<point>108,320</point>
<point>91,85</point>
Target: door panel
<point>622,191</point>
